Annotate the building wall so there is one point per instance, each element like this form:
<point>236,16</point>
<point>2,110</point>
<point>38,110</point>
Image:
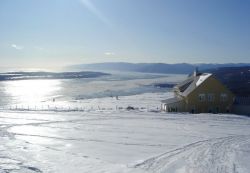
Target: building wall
<point>241,109</point>
<point>210,86</point>
<point>174,107</point>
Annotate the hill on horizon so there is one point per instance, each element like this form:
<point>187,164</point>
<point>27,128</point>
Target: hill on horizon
<point>237,79</point>
<point>179,68</point>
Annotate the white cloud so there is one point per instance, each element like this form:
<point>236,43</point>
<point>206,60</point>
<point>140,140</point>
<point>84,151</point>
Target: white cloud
<point>109,53</point>
<point>17,47</point>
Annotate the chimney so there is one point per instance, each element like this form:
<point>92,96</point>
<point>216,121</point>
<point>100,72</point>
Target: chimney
<point>196,71</point>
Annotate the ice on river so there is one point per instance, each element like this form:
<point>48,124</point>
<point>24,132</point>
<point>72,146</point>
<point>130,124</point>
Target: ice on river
<point>116,140</point>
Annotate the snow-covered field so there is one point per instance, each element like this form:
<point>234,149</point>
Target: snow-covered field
<point>108,138</point>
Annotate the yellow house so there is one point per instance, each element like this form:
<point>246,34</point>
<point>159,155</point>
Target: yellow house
<point>200,93</point>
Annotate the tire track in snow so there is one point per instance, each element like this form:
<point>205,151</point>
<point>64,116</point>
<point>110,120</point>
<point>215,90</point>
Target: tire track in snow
<point>208,156</point>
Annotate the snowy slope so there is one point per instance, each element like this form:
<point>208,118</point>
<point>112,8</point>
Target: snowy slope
<point>113,140</point>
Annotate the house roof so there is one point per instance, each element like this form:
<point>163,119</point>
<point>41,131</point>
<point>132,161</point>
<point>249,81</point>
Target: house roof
<point>190,84</point>
<point>172,100</point>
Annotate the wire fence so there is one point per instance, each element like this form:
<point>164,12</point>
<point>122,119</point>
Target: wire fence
<point>77,108</point>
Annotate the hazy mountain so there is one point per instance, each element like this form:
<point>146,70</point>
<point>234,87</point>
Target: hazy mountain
<point>181,68</point>
<point>237,79</point>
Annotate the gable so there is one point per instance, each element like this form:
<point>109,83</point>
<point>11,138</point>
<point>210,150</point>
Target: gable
<point>211,85</point>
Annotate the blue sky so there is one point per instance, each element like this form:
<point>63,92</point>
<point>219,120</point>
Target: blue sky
<point>47,33</point>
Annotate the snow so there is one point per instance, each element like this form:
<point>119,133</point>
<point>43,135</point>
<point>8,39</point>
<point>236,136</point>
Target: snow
<point>202,78</point>
<point>114,140</point>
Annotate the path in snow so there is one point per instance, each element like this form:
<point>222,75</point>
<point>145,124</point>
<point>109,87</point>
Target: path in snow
<point>215,155</point>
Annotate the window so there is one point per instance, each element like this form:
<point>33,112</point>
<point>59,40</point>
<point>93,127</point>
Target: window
<point>202,97</point>
<point>210,97</point>
<point>223,97</point>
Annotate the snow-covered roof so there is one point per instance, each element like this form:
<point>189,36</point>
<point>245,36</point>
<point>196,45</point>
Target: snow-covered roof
<point>202,78</point>
<point>172,100</point>
<point>192,83</point>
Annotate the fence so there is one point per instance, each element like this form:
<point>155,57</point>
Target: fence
<point>76,108</point>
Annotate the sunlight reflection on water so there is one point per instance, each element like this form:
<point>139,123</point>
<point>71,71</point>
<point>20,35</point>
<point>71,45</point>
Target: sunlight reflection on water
<point>40,93</point>
<point>31,91</point>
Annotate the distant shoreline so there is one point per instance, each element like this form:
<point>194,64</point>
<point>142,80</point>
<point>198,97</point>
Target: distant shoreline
<point>13,76</point>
